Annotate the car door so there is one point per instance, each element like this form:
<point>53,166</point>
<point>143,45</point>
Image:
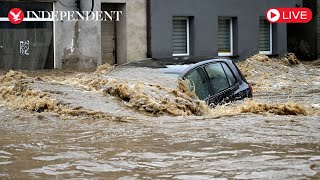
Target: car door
<point>222,83</point>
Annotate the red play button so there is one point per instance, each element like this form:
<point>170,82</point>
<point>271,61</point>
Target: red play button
<point>273,15</point>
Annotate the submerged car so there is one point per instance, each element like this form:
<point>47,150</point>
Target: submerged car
<point>215,80</point>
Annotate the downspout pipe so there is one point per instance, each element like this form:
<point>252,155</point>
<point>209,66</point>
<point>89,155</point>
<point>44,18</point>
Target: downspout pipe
<point>79,7</point>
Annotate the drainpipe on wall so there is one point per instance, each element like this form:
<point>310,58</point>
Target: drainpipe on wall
<point>149,53</point>
<point>78,5</point>
<point>318,28</point>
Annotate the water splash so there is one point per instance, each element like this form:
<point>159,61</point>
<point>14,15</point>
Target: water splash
<point>267,76</point>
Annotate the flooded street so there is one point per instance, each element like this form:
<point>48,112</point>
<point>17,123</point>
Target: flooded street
<point>101,126</point>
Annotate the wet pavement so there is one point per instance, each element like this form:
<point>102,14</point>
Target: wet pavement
<point>225,144</point>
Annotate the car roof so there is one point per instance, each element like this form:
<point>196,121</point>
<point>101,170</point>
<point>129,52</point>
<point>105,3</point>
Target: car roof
<point>175,65</point>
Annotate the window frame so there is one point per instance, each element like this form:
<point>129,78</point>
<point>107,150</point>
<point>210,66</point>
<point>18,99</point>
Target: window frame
<point>271,44</point>
<point>231,38</point>
<point>186,18</point>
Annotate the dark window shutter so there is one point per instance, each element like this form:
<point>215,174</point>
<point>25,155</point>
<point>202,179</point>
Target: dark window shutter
<point>264,35</point>
<point>224,35</point>
<point>179,36</point>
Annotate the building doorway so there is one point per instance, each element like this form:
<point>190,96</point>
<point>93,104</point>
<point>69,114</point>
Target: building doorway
<point>113,36</point>
<point>303,38</point>
<point>108,37</point>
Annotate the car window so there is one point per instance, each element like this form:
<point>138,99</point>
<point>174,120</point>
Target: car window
<point>230,76</point>
<point>197,81</point>
<point>217,77</point>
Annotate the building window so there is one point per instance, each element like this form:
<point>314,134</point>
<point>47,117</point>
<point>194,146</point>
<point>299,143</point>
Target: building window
<point>265,36</point>
<point>180,36</point>
<point>225,36</point>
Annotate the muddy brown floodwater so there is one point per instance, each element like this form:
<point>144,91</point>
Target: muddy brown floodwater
<point>132,123</point>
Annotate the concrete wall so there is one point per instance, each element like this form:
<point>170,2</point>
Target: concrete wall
<point>136,29</point>
<point>78,44</point>
<point>204,25</point>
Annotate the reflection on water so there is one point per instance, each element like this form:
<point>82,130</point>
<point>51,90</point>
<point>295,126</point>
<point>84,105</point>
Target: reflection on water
<point>228,143</point>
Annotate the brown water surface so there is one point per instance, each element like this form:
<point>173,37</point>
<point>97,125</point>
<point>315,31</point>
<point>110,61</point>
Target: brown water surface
<point>79,129</point>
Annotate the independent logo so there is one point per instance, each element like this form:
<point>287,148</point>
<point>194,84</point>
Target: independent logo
<point>15,16</point>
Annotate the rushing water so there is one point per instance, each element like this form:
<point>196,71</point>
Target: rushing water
<point>225,144</point>
<point>246,146</point>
